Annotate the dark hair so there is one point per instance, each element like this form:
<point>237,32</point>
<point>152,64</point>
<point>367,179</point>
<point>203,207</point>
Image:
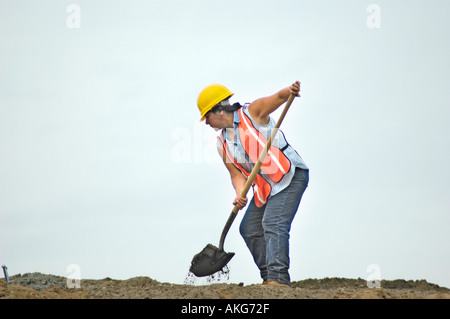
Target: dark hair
<point>226,106</point>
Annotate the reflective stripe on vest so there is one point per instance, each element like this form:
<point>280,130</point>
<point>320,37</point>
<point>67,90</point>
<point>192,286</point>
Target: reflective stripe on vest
<point>275,164</point>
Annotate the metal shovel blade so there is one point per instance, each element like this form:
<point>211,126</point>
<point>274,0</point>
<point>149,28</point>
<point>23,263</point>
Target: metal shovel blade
<point>209,261</point>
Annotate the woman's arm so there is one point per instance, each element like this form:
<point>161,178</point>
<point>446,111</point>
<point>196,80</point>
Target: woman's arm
<point>261,109</point>
<point>238,180</point>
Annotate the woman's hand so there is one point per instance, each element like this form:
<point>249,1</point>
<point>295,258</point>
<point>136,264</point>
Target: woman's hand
<point>240,201</point>
<point>261,108</point>
<point>295,88</point>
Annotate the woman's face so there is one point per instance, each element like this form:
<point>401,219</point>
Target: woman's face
<point>215,120</point>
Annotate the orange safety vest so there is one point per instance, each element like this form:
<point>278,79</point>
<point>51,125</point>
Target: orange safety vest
<point>275,165</point>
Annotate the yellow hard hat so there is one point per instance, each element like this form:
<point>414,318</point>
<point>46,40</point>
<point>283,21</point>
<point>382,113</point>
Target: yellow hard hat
<point>211,96</point>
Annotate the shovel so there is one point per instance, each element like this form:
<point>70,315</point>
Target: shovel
<point>212,259</point>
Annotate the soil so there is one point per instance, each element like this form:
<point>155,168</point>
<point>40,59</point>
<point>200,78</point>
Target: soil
<point>42,286</point>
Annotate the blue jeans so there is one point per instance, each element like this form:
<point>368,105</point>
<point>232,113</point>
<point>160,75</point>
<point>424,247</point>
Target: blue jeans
<point>266,229</point>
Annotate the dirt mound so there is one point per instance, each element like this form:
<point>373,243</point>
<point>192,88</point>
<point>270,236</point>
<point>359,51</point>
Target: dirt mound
<point>41,286</point>
<point>334,283</point>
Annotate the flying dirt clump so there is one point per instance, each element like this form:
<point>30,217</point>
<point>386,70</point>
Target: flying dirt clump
<point>221,276</point>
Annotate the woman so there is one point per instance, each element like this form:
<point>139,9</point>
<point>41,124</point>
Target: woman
<point>279,185</point>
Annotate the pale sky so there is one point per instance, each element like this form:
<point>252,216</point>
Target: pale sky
<point>104,163</point>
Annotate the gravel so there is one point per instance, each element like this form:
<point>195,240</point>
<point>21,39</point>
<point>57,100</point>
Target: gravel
<point>38,281</point>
